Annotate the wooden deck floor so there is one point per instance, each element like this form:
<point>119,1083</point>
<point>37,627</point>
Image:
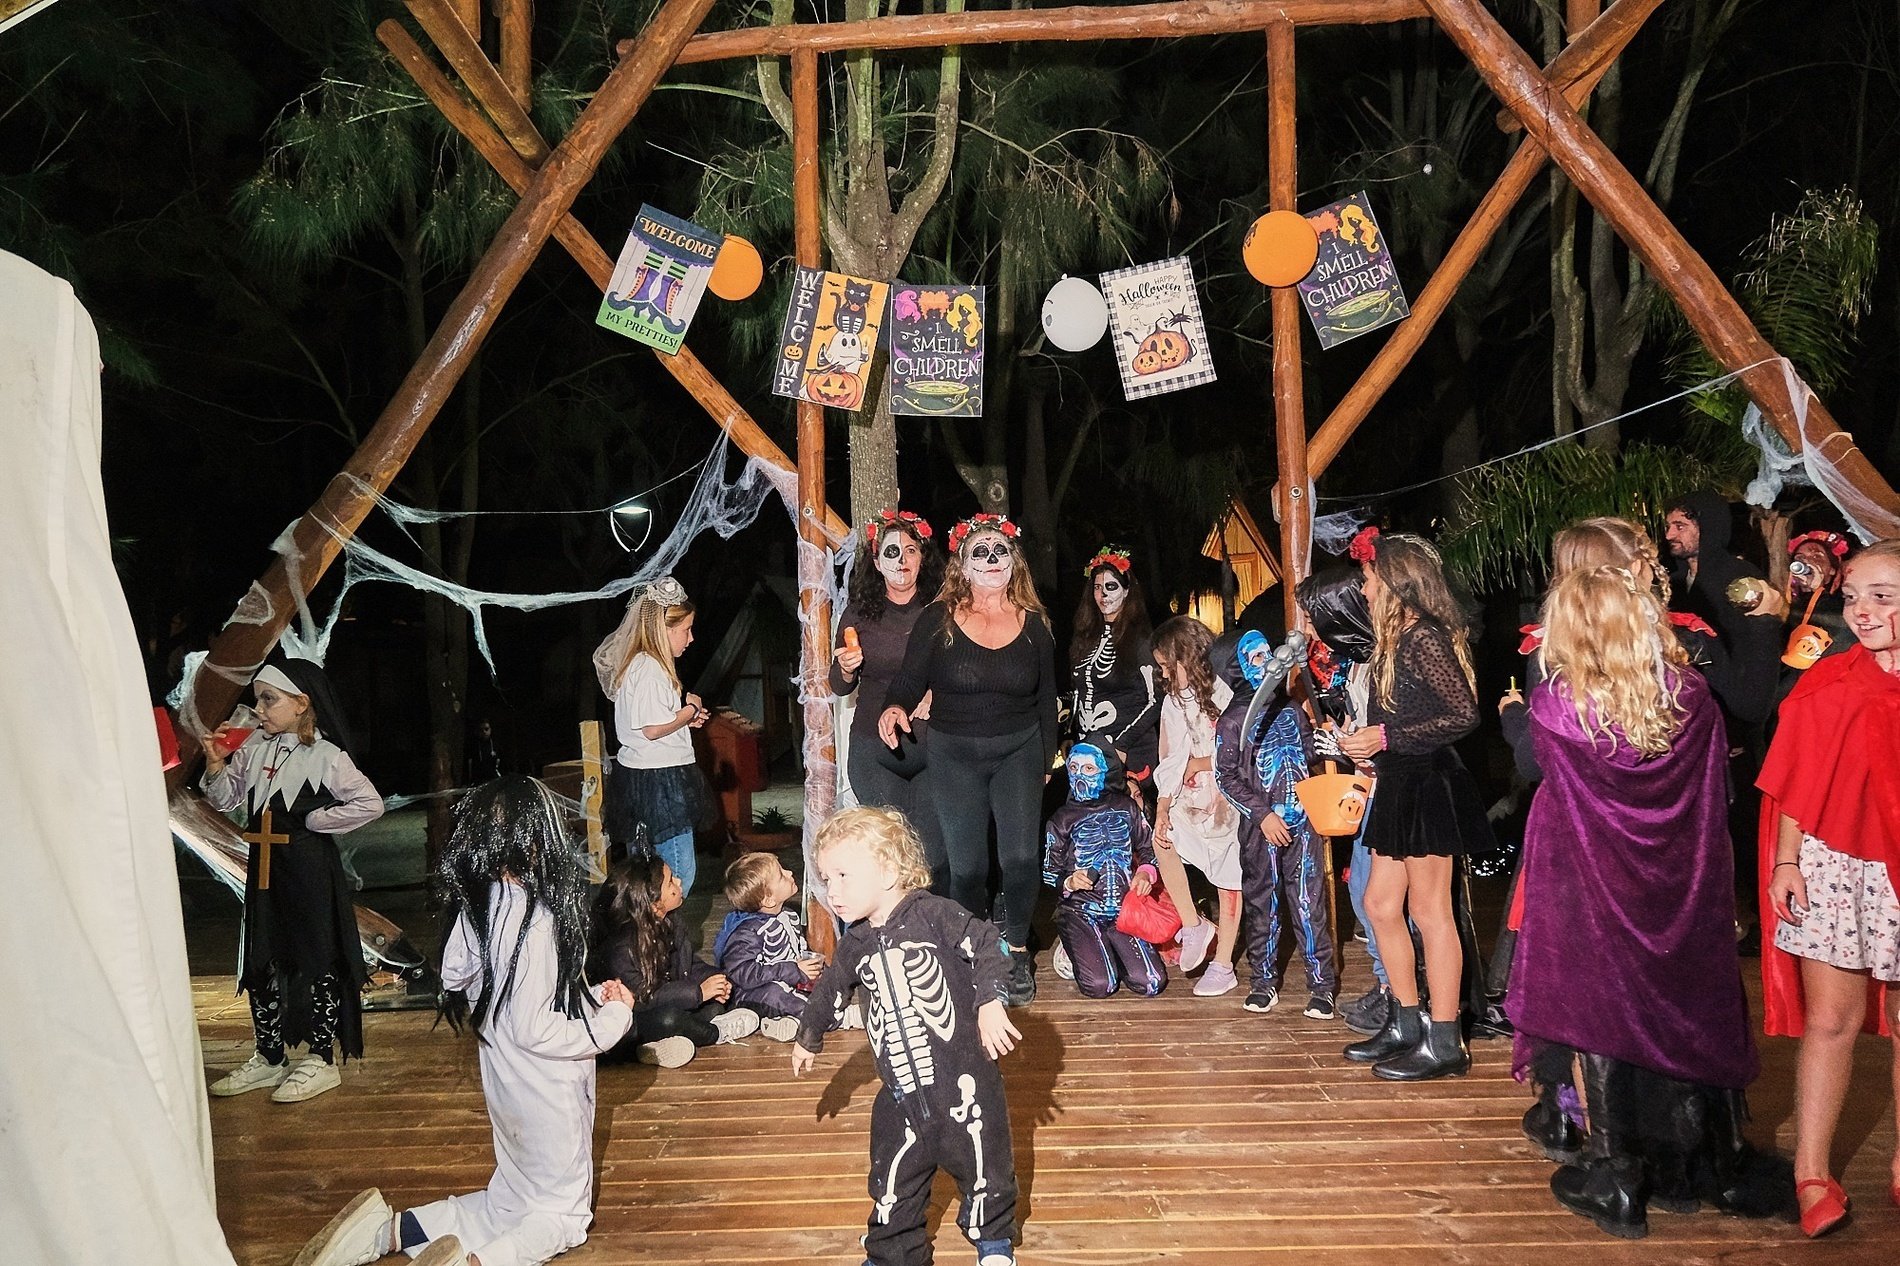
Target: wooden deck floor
<point>1159,1130</point>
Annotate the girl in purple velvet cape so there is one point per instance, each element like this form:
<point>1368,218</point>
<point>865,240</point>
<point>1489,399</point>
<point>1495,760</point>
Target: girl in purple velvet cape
<point>1627,947</point>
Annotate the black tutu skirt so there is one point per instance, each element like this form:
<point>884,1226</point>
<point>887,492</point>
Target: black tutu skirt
<point>661,802</point>
<point>1426,805</point>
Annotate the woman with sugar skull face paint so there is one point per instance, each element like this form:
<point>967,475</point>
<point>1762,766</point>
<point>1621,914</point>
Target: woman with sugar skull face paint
<point>1112,650</point>
<point>984,655</point>
<point>898,569</point>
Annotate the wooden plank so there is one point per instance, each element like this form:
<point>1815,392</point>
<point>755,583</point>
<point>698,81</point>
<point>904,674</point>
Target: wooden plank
<point>517,49</point>
<point>453,38</point>
<point>593,795</point>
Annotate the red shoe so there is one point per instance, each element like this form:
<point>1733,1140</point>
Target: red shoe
<point>1826,1214</point>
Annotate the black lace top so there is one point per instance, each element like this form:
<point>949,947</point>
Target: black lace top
<point>1433,706</point>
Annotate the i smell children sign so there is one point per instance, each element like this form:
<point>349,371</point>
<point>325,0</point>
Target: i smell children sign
<point>1353,288</point>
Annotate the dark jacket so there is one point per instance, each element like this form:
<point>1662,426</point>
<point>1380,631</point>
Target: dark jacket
<point>759,953</point>
<point>1743,665</point>
<point>679,988</point>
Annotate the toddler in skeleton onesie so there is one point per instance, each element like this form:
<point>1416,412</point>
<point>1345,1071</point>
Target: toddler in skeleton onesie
<point>1283,871</point>
<point>934,978</point>
<point>1098,849</point>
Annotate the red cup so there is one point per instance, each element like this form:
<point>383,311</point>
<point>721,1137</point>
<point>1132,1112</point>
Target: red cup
<point>233,737</point>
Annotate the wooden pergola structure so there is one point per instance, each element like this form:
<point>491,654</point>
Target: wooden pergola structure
<point>491,110</point>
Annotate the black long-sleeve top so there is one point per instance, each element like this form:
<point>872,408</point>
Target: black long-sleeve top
<point>883,641</point>
<point>1433,706</point>
<point>976,691</point>
<point>614,956</point>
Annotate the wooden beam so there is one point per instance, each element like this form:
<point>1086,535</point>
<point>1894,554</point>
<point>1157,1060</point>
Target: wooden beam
<point>1596,41</point>
<point>1016,26</point>
<point>469,14</point>
<point>1725,329</point>
<point>686,368</point>
<point>472,66</point>
<point>316,538</point>
<point>1471,243</point>
<point>517,49</point>
<point>1289,395</point>
<point>814,585</point>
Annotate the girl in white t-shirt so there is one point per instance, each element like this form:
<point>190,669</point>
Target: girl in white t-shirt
<point>654,783</point>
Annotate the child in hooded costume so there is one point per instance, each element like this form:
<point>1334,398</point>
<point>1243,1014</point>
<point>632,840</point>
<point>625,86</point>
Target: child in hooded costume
<point>762,949</point>
<point>1283,868</point>
<point>301,962</point>
<point>1097,850</point>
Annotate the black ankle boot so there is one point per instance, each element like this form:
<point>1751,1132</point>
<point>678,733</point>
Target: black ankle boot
<point>1547,1126</point>
<point>1439,1052</point>
<point>1609,1187</point>
<point>1403,1026</point>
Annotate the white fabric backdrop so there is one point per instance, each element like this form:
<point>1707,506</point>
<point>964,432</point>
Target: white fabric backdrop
<point>105,1143</point>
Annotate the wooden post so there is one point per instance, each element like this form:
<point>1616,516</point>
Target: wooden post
<point>517,49</point>
<point>1711,310</point>
<point>727,413</point>
<point>484,81</point>
<point>814,584</point>
<point>1289,397</point>
<point>593,796</point>
<point>1594,52</point>
<point>317,537</point>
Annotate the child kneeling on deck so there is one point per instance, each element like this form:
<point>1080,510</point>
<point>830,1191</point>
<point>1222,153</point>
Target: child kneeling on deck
<point>515,897</point>
<point>1097,850</point>
<point>936,978</point>
<point>762,950</point>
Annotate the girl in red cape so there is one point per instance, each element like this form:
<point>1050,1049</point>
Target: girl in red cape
<point>1830,854</point>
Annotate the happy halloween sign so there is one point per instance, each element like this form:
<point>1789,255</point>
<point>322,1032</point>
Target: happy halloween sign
<point>1154,313</point>
<point>828,338</point>
<point>1353,288</point>
<point>937,351</point>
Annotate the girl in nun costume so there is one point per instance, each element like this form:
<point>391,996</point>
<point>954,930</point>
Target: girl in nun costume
<point>300,962</point>
<point>514,895</point>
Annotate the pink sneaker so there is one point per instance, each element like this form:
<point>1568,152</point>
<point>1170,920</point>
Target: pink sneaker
<point>1195,942</point>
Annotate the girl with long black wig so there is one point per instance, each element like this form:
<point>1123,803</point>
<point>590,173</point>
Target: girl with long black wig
<point>513,890</point>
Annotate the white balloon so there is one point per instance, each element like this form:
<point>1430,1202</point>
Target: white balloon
<point>1074,315</point>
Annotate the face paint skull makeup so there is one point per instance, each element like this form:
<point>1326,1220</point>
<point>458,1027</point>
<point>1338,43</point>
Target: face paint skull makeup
<point>1252,652</point>
<point>1088,771</point>
<point>898,561</point>
<point>987,561</point>
<point>1111,591</point>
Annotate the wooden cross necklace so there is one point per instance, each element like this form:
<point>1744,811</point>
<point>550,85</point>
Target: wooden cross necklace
<point>262,838</point>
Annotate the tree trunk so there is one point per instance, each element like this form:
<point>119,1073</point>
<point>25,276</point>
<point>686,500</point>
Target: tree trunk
<point>1038,501</point>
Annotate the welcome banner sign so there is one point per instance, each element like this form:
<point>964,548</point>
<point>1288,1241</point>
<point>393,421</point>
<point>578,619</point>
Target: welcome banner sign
<point>659,280</point>
<point>828,338</point>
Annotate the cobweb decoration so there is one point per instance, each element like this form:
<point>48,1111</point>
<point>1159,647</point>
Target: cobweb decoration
<point>1811,467</point>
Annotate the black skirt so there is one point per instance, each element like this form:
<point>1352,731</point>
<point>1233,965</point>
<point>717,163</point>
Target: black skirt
<point>1426,805</point>
<point>665,802</point>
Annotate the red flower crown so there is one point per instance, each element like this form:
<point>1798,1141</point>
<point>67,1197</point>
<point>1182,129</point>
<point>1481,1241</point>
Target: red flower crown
<point>886,519</point>
<point>1105,557</point>
<point>1361,549</point>
<point>982,523</point>
<point>1833,542</point>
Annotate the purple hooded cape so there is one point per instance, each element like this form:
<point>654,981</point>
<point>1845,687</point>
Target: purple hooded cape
<point>1627,947</point>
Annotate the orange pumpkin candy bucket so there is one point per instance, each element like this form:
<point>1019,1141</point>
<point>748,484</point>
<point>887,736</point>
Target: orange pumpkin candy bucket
<point>1335,804</point>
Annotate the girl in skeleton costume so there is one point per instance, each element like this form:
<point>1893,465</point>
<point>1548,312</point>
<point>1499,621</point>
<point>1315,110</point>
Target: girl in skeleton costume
<point>301,962</point>
<point>513,891</point>
<point>1283,873</point>
<point>1097,850</point>
<point>897,571</point>
<point>654,784</point>
<point>935,982</point>
<point>1113,653</point>
<point>984,655</point>
<point>1194,823</point>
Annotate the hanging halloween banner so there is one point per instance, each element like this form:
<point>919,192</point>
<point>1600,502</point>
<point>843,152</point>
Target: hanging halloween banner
<point>937,351</point>
<point>829,337</point>
<point>1160,339</point>
<point>659,279</point>
<point>1353,287</point>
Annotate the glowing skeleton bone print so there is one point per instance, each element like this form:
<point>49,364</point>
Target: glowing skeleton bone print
<point>910,1002</point>
<point>1104,843</point>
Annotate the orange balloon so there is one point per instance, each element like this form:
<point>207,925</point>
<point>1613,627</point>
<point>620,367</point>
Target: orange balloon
<point>737,269</point>
<point>1280,248</point>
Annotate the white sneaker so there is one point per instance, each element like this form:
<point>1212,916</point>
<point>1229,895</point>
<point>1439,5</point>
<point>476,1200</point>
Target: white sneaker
<point>852,1017</point>
<point>254,1073</point>
<point>1059,962</point>
<point>780,1028</point>
<point>1218,979</point>
<point>668,1052</point>
<point>446,1251</point>
<point>312,1076</point>
<point>736,1023</point>
<point>357,1235</point>
<point>1195,942</point>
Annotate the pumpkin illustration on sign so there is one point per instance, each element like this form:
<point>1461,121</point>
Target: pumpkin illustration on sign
<point>1165,349</point>
<point>835,387</point>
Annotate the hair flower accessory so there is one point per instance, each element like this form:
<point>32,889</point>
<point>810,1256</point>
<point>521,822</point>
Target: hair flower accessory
<point>1361,548</point>
<point>982,523</point>
<point>886,519</point>
<point>1833,542</point>
<point>666,591</point>
<point>1106,557</point>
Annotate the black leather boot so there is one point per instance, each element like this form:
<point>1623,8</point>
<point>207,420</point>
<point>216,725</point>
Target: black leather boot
<point>1403,1026</point>
<point>1609,1187</point>
<point>1547,1126</point>
<point>1439,1052</point>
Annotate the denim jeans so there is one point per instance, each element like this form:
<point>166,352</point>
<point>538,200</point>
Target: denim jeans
<point>677,853</point>
<point>1356,888</point>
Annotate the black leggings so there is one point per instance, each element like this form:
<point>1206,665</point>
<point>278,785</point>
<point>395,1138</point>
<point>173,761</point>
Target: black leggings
<point>267,1018</point>
<point>973,781</point>
<point>654,1023</point>
<point>873,784</point>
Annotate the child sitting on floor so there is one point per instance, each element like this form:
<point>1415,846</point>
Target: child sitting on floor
<point>680,1003</point>
<point>936,979</point>
<point>1098,850</point>
<point>762,949</point>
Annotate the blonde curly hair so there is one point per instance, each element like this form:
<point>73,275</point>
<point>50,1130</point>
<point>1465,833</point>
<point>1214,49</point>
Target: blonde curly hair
<point>1608,640</point>
<point>887,833</point>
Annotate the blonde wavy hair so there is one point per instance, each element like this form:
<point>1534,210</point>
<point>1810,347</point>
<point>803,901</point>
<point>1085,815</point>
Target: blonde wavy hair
<point>1606,542</point>
<point>955,594</point>
<point>1412,583</point>
<point>1607,638</point>
<point>887,833</point>
<point>651,620</point>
